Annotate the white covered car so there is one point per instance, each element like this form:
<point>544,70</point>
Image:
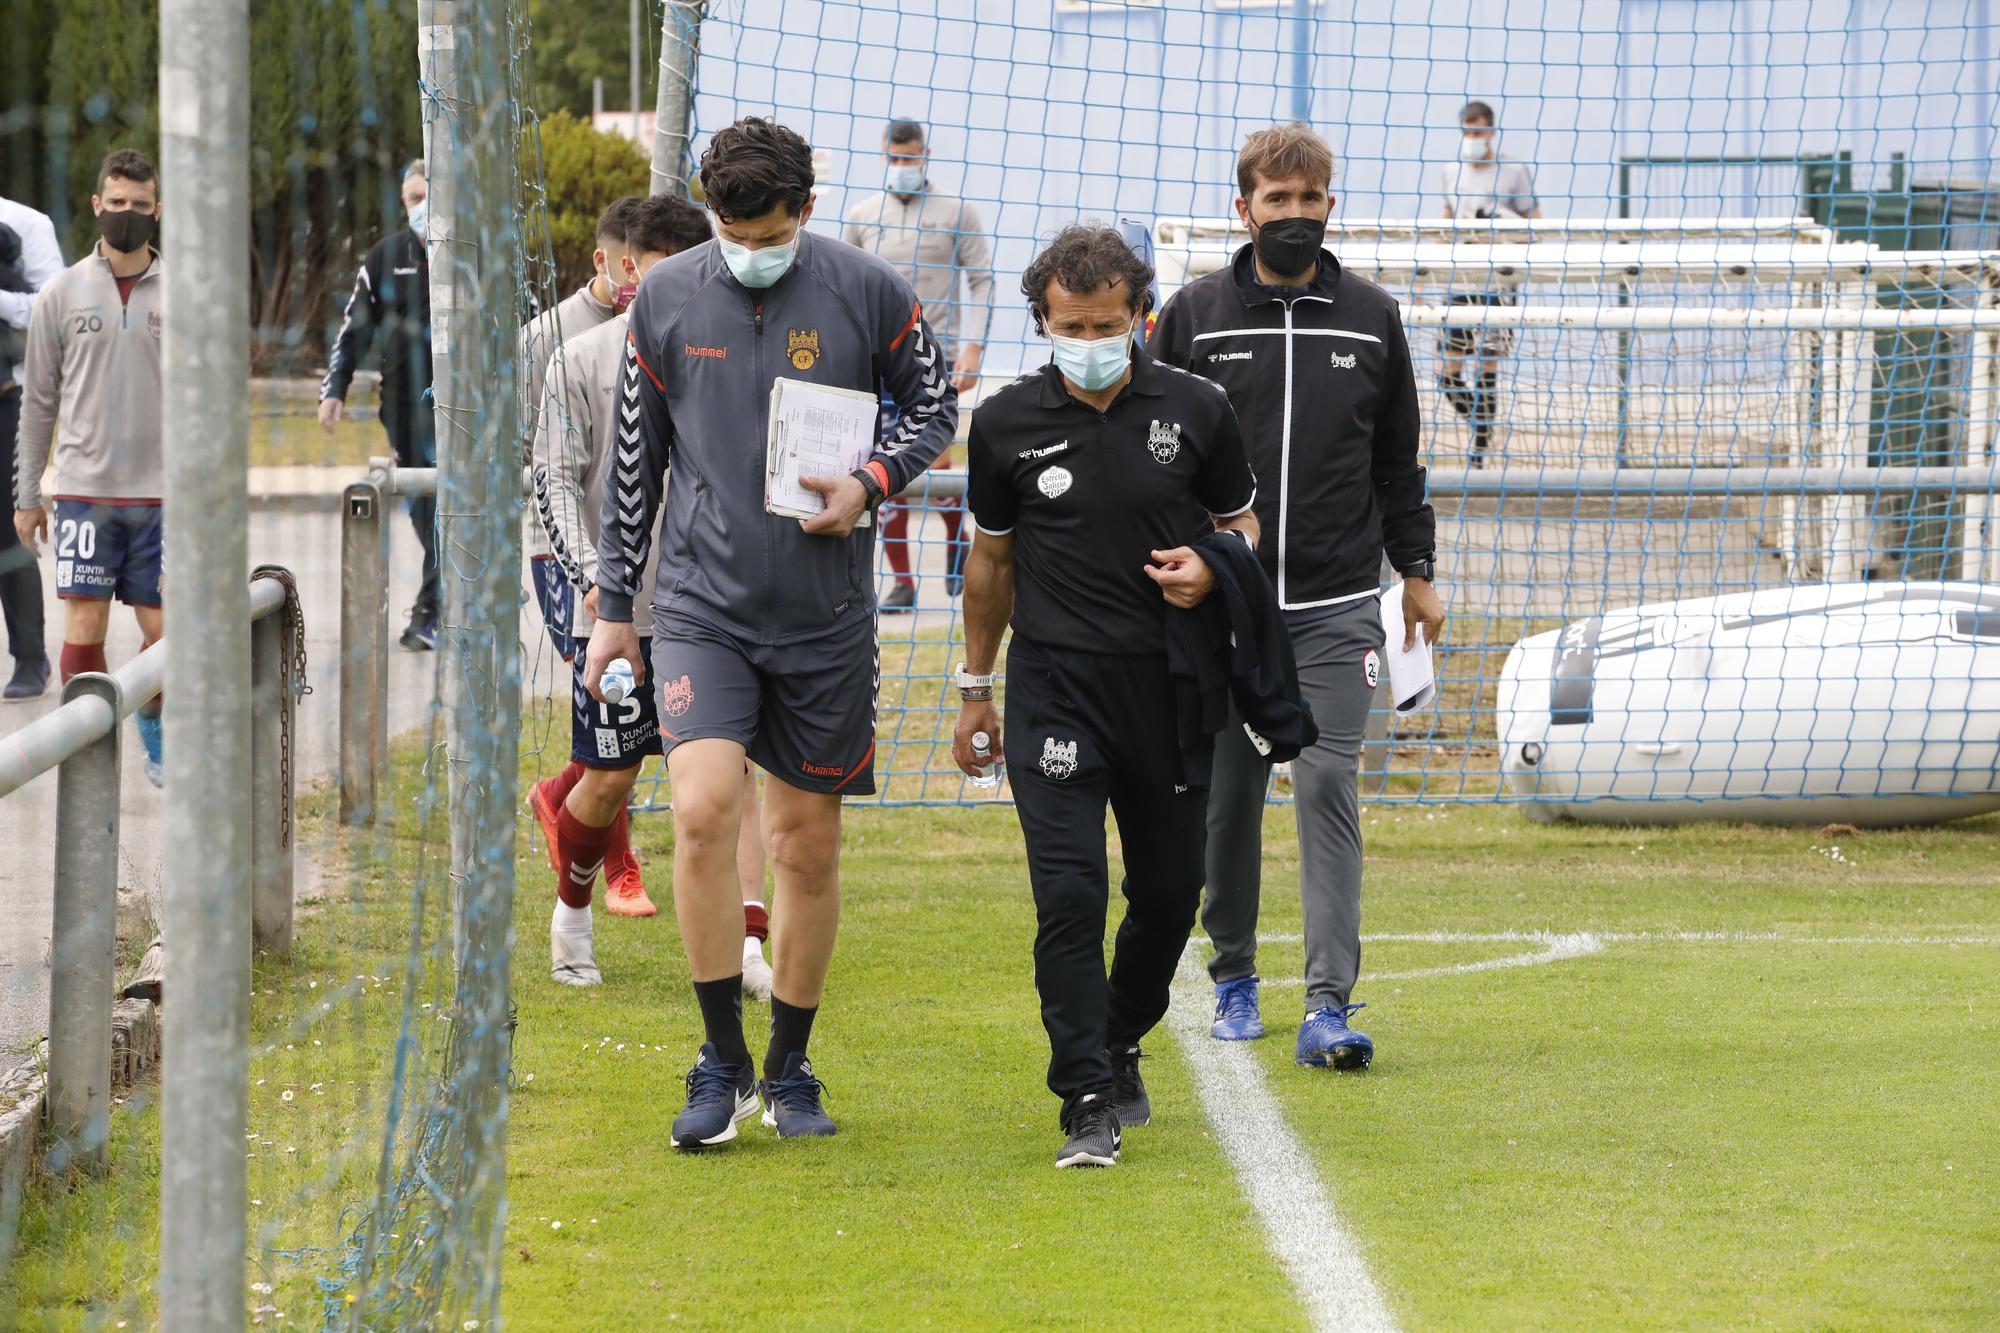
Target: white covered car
<point>1860,703</point>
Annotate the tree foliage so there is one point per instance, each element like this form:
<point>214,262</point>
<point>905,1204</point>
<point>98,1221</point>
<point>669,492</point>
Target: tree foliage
<point>333,118</point>
<point>585,170</point>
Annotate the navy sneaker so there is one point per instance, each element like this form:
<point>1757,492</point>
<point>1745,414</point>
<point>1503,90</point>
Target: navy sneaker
<point>1325,1040</point>
<point>151,734</point>
<point>1128,1090</point>
<point>1236,1016</point>
<point>1092,1126</point>
<point>719,1095</point>
<point>791,1102</point>
<point>421,634</point>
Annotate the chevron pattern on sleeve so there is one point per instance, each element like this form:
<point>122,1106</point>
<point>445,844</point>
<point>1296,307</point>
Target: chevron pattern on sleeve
<point>628,477</point>
<point>916,418</point>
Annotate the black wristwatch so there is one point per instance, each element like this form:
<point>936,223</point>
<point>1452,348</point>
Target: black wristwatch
<point>871,484</point>
<point>1423,569</point>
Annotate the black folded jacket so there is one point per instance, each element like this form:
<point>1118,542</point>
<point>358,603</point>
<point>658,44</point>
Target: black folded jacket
<point>1235,647</point>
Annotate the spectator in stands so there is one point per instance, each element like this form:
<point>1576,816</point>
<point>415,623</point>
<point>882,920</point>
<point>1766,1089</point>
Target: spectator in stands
<point>938,242</point>
<point>613,283</point>
<point>93,363</point>
<point>1481,184</point>
<point>391,303</point>
<point>30,259</point>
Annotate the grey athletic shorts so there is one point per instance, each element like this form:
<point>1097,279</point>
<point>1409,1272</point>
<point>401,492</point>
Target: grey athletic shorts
<point>805,712</point>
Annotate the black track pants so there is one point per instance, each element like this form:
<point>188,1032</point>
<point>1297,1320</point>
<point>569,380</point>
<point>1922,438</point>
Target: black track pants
<point>1084,730</point>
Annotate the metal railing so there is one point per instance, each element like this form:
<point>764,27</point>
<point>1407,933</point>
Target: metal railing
<point>81,740</point>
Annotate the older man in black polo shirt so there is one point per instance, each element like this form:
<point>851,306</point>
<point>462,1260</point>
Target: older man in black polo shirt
<point>1090,482</point>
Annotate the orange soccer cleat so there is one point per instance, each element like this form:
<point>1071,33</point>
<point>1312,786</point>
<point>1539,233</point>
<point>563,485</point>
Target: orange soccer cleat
<point>542,800</point>
<point>624,891</point>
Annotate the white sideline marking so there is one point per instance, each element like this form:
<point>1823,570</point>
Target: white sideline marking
<point>1280,1181</point>
<point>1555,949</point>
<point>1649,937</point>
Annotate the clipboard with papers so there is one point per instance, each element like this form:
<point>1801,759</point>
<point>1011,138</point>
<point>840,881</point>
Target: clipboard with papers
<point>815,430</point>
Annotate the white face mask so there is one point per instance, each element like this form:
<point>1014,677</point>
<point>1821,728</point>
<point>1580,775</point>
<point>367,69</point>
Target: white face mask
<point>1472,148</point>
<point>1092,363</point>
<point>904,177</point>
<point>758,268</point>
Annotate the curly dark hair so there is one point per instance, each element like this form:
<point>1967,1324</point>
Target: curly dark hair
<point>666,225</point>
<point>1083,258</point>
<point>127,164</point>
<point>754,166</point>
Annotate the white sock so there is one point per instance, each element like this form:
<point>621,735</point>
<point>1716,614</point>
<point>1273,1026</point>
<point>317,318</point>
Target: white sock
<point>752,948</point>
<point>572,920</point>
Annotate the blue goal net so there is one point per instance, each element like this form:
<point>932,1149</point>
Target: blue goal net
<point>1716,345</point>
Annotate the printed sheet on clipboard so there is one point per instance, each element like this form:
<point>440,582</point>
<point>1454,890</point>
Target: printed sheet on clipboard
<point>815,430</point>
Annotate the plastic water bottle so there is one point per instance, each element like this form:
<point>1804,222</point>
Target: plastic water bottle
<point>619,681</point>
<point>982,751</point>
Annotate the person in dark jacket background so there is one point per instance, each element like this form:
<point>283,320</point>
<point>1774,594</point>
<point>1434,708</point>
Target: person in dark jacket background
<point>391,303</point>
<point>1317,367</point>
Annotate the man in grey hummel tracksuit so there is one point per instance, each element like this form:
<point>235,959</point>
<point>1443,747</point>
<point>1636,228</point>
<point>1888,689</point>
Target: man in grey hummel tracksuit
<point>763,627</point>
<point>1316,365</point>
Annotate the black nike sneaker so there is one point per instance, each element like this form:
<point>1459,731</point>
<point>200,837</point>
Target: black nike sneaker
<point>1128,1090</point>
<point>1092,1126</point>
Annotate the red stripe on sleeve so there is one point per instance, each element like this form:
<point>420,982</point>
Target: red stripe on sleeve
<point>916,313</point>
<point>642,364</point>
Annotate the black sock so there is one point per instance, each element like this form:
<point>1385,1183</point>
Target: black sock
<point>791,1026</point>
<point>722,1017</point>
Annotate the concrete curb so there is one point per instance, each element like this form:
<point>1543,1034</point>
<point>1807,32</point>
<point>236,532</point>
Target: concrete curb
<point>135,1050</point>
<point>22,1097</point>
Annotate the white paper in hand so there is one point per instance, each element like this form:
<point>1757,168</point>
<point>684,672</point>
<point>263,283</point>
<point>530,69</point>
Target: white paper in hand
<point>815,430</point>
<point>1412,681</point>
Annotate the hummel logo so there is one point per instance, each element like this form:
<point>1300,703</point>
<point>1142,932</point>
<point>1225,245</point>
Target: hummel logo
<point>1343,362</point>
<point>1045,451</point>
<point>1228,356</point>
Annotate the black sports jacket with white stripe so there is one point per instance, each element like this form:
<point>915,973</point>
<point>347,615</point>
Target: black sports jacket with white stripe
<point>1320,378</point>
<point>391,301</point>
<point>695,396</point>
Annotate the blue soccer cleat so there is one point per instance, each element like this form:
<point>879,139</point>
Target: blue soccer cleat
<point>719,1095</point>
<point>791,1102</point>
<point>1236,1016</point>
<point>150,733</point>
<point>1326,1042</point>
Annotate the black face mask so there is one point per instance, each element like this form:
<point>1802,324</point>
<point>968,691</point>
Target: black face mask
<point>128,231</point>
<point>1290,246</point>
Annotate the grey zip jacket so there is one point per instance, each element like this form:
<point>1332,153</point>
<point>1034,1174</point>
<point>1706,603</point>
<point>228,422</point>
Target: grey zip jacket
<point>575,314</point>
<point>95,363</point>
<point>695,396</point>
<point>575,437</point>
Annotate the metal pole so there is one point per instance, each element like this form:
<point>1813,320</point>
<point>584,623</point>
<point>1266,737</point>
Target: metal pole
<point>364,650</point>
<point>205,156</point>
<point>479,493</point>
<point>271,779</point>
<point>85,938</point>
<point>634,62</point>
<point>680,49</point>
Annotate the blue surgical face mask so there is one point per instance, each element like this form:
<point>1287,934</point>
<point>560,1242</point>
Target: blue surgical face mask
<point>904,177</point>
<point>1092,363</point>
<point>420,217</point>
<point>1472,147</point>
<point>758,268</point>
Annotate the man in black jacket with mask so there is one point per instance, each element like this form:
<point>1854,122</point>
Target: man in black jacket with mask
<point>391,301</point>
<point>1316,365</point>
